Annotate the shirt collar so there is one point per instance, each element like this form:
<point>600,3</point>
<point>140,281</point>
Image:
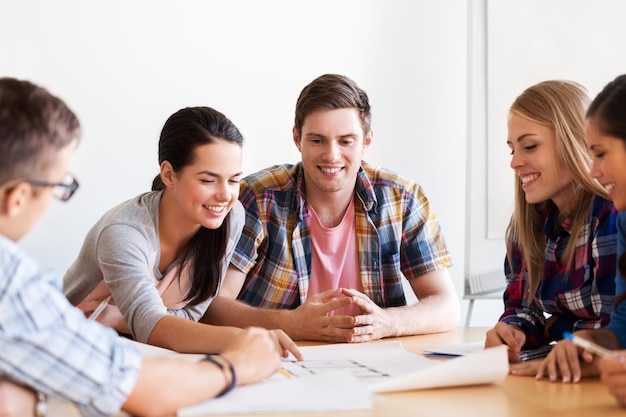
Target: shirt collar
<point>552,228</point>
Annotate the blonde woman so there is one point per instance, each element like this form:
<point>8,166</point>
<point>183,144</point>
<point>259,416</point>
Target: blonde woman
<point>561,240</point>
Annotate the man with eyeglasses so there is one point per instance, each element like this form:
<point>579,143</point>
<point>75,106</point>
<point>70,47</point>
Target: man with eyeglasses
<point>47,346</point>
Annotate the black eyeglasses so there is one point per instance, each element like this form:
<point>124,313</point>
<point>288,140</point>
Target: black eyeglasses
<point>60,190</point>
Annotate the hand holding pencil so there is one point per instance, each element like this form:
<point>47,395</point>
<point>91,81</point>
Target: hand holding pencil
<point>99,309</point>
<point>506,334</point>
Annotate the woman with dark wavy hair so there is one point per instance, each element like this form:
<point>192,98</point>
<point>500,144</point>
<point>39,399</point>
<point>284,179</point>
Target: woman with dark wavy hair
<point>151,266</point>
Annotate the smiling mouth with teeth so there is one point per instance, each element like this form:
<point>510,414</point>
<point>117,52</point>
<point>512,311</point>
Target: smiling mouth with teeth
<point>216,209</point>
<point>330,170</point>
<point>529,178</point>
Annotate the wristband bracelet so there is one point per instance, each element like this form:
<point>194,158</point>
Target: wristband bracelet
<point>41,408</point>
<point>231,368</point>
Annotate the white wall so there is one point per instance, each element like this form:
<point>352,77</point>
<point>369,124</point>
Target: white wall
<point>570,39</point>
<point>483,255</point>
<point>125,66</point>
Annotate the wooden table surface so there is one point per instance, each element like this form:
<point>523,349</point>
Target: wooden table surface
<point>515,396</point>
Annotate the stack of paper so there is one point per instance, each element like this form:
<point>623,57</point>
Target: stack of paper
<point>343,377</point>
<point>385,367</point>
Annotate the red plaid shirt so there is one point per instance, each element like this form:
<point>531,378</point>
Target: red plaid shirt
<point>579,299</point>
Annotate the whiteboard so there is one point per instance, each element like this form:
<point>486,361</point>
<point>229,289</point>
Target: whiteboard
<point>529,41</point>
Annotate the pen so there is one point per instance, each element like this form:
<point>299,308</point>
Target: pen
<point>592,347</point>
<point>99,309</point>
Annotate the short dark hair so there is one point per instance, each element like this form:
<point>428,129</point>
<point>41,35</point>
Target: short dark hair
<point>34,126</point>
<point>333,91</point>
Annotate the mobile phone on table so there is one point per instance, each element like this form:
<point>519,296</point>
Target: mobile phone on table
<point>540,352</point>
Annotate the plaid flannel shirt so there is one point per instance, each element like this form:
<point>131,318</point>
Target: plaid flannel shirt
<point>398,236</point>
<point>579,299</point>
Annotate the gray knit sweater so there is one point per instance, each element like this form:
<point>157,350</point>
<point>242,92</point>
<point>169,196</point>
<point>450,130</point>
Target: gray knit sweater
<point>120,256</point>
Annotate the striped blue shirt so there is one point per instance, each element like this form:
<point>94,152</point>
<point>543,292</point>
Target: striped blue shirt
<point>48,345</point>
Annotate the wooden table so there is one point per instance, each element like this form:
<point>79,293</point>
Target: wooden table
<point>516,396</point>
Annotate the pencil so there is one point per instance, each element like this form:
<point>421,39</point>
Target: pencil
<point>99,309</point>
<point>592,347</point>
<point>285,373</point>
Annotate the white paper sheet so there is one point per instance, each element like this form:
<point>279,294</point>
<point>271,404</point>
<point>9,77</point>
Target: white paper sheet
<point>330,392</point>
<point>487,366</point>
<point>386,367</point>
<point>368,362</point>
<point>343,377</point>
<point>331,378</point>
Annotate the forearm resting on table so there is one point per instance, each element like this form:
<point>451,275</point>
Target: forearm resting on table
<point>437,309</point>
<point>187,336</point>
<point>432,314</point>
<point>166,385</point>
<point>226,311</point>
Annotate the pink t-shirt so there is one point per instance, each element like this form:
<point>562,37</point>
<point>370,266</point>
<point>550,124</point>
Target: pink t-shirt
<point>334,257</point>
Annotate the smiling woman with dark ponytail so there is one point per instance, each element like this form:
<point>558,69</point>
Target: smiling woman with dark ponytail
<point>184,131</point>
<point>606,135</point>
<point>151,266</point>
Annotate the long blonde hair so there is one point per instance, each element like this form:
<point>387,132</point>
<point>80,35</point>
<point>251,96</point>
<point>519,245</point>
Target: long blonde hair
<point>559,105</point>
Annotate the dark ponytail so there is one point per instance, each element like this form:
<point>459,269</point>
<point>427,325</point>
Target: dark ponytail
<point>157,183</point>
